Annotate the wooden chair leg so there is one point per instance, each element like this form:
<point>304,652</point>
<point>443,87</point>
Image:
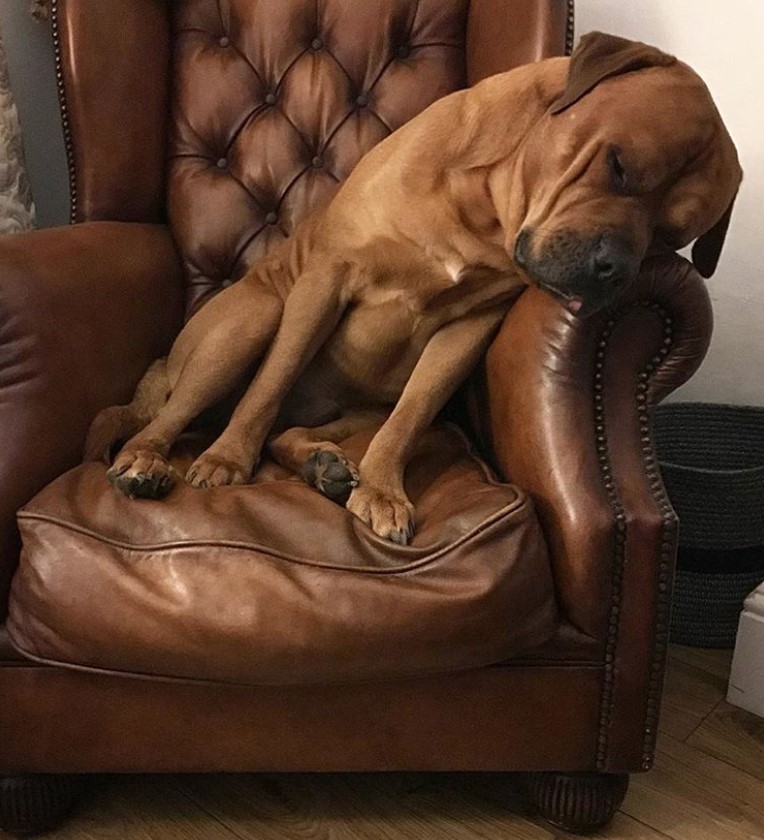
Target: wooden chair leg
<point>578,802</point>
<point>35,803</point>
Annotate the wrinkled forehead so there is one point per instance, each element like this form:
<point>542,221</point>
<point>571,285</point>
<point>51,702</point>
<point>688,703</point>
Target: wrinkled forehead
<point>665,114</point>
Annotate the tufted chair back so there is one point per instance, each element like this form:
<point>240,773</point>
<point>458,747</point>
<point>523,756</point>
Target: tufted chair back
<point>271,103</point>
<point>275,101</point>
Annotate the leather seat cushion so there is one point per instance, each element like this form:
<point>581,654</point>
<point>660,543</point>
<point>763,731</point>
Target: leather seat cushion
<point>271,583</point>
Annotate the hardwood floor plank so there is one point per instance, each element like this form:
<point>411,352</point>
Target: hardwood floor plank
<point>137,808</point>
<point>734,735</point>
<point>383,807</point>
<point>690,795</point>
<point>711,660</point>
<point>690,694</point>
<point>360,807</point>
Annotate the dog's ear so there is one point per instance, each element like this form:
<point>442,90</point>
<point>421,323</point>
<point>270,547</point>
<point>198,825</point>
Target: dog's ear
<point>708,247</point>
<point>599,57</point>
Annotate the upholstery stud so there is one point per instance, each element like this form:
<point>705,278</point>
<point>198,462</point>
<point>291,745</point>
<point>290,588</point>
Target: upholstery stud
<point>316,44</point>
<point>317,162</point>
<point>362,100</point>
<point>404,51</point>
<point>224,42</point>
<point>272,217</point>
<point>270,99</point>
<point>222,163</point>
<point>228,281</point>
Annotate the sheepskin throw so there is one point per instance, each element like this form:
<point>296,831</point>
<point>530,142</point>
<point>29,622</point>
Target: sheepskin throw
<point>16,207</point>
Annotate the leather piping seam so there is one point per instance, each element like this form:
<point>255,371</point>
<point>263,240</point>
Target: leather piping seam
<point>330,684</point>
<point>643,406</point>
<point>518,506</point>
<point>64,111</point>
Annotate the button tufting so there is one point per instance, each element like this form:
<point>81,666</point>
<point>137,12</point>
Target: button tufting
<point>361,100</point>
<point>222,163</point>
<point>316,44</point>
<point>224,42</point>
<point>270,99</point>
<point>404,51</point>
<point>272,218</point>
<point>317,162</point>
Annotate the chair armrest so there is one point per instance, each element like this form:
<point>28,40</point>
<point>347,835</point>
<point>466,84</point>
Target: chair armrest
<point>567,415</point>
<point>83,312</point>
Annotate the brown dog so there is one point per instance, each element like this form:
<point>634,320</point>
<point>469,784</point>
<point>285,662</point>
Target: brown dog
<point>565,173</point>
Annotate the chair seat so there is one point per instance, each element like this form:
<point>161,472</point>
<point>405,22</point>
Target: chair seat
<point>272,583</point>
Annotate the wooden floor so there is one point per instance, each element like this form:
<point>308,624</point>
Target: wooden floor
<point>708,784</point>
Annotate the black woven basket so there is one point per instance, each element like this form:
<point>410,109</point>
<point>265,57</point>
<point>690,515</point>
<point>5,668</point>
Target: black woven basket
<point>712,461</point>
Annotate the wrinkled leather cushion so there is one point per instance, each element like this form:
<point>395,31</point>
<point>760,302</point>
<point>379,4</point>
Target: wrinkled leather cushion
<point>272,583</point>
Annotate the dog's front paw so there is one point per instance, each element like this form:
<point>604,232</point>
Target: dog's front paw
<point>213,470</point>
<point>141,473</point>
<point>389,514</point>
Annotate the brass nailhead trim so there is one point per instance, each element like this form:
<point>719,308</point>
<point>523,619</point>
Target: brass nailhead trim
<point>64,110</point>
<point>643,405</point>
<point>668,539</point>
<point>570,27</point>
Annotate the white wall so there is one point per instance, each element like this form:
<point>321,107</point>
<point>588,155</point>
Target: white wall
<point>724,41</point>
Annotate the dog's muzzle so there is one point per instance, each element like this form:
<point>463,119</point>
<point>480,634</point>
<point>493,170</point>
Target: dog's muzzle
<point>586,273</point>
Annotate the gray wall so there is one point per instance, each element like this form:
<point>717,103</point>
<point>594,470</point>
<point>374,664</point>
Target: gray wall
<point>31,68</point>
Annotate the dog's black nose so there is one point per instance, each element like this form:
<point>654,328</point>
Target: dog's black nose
<point>611,260</point>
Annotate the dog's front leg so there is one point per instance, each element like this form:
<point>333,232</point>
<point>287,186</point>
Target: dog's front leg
<point>380,499</point>
<point>312,310</point>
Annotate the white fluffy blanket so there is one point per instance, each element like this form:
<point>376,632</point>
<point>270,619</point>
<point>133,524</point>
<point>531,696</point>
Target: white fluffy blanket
<point>16,206</point>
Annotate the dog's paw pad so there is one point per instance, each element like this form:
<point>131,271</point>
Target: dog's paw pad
<point>331,474</point>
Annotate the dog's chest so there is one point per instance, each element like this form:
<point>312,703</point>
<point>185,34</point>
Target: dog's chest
<point>381,337</point>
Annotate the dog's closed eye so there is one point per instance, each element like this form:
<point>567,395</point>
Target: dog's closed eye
<point>618,175</point>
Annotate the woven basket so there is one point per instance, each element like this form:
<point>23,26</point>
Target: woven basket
<point>712,461</point>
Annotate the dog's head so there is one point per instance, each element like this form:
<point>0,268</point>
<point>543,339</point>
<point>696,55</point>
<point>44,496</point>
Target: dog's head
<point>631,159</point>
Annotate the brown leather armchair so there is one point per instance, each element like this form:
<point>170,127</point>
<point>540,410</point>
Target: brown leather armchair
<point>198,133</point>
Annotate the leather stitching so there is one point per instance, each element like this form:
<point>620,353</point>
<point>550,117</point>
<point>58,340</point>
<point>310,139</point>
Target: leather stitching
<point>519,505</point>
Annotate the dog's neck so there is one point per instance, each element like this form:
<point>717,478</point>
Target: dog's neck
<point>492,156</point>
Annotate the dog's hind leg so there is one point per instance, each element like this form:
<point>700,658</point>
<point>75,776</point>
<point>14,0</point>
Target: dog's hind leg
<point>120,422</point>
<point>315,453</point>
<point>213,352</point>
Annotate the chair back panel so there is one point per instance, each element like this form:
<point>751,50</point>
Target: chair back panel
<point>274,103</point>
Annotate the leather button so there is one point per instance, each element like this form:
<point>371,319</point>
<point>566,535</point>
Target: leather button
<point>222,163</point>
<point>224,42</point>
<point>317,162</point>
<point>272,218</point>
<point>361,100</point>
<point>270,99</point>
<point>316,44</point>
<point>404,51</point>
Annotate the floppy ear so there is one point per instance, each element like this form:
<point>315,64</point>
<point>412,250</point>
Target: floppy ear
<point>708,247</point>
<point>598,57</point>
